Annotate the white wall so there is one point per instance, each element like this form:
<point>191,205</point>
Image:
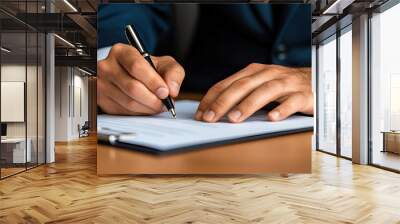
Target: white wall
<point>33,126</point>
<point>71,93</point>
<point>80,110</point>
<point>61,104</point>
<point>12,73</point>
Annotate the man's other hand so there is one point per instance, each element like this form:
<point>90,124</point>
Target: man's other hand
<point>255,86</point>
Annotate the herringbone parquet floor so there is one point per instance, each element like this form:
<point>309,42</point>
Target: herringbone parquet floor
<point>70,192</point>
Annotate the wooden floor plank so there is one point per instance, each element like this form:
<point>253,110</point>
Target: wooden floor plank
<point>69,191</point>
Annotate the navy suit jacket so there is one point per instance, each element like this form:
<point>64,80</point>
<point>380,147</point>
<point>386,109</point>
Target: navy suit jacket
<point>227,37</point>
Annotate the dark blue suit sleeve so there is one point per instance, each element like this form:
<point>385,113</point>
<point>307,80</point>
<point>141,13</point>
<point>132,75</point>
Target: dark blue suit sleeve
<point>151,21</point>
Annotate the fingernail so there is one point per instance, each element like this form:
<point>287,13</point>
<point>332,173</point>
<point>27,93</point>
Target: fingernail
<point>162,92</point>
<point>209,115</point>
<point>274,115</point>
<point>198,115</point>
<point>174,86</point>
<point>234,115</point>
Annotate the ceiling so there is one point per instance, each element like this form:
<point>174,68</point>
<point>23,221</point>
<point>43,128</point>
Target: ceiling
<point>72,20</point>
<point>76,22</point>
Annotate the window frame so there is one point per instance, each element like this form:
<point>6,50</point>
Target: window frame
<point>333,37</point>
<point>378,10</point>
<point>29,29</point>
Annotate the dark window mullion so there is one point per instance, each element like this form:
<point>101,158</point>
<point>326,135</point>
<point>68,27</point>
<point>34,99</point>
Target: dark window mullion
<point>26,89</point>
<point>369,100</point>
<point>37,90</point>
<point>316,97</point>
<point>0,98</point>
<point>338,95</point>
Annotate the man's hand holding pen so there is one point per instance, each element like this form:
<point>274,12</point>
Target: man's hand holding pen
<point>128,85</point>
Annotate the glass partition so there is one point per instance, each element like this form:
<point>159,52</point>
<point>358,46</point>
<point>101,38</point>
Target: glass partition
<point>346,92</point>
<point>32,86</point>
<point>41,111</point>
<point>22,67</point>
<point>31,99</point>
<point>327,95</point>
<point>15,149</point>
<point>385,89</point>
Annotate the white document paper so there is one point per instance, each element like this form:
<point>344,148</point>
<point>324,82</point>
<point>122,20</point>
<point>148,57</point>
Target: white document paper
<point>164,133</point>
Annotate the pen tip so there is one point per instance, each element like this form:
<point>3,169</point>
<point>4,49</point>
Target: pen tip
<point>173,113</point>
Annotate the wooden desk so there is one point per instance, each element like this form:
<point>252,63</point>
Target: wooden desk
<point>281,154</point>
<point>391,141</point>
<point>13,150</point>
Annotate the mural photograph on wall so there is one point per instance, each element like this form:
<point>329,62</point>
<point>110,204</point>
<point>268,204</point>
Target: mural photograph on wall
<point>204,88</point>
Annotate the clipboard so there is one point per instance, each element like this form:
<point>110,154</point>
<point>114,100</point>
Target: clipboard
<point>114,137</point>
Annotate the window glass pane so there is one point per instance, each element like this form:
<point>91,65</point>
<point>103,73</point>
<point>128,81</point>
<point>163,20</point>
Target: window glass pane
<point>31,97</point>
<point>314,85</point>
<point>327,96</point>
<point>22,87</point>
<point>385,114</point>
<point>32,85</point>
<point>346,94</point>
<point>41,98</point>
<point>15,150</point>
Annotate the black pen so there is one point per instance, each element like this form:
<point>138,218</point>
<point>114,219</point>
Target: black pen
<point>134,39</point>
